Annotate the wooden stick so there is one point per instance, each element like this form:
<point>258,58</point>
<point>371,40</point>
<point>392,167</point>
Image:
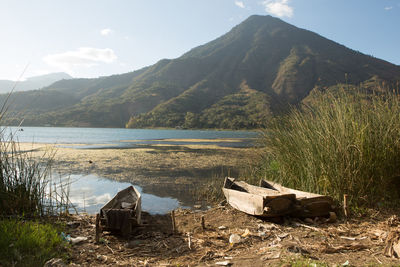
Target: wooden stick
<point>203,224</point>
<point>173,221</point>
<point>345,207</point>
<point>97,228</point>
<point>189,241</point>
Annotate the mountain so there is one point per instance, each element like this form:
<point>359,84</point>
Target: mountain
<point>235,81</point>
<point>32,83</point>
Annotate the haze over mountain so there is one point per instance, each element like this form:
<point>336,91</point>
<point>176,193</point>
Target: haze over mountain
<point>31,83</point>
<point>235,81</point>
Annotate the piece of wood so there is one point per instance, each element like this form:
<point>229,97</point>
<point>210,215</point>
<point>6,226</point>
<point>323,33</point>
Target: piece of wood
<point>189,241</point>
<point>98,230</point>
<point>345,206</point>
<point>203,224</point>
<point>173,222</point>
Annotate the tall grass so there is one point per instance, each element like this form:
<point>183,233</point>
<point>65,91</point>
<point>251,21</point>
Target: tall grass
<point>343,142</point>
<point>22,180</point>
<point>27,186</point>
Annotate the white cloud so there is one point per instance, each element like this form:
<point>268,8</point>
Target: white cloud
<point>239,4</point>
<point>82,57</point>
<point>280,8</point>
<point>388,8</point>
<point>105,32</point>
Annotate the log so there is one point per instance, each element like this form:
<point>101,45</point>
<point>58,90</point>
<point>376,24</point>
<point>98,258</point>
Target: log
<point>173,222</point>
<point>98,229</point>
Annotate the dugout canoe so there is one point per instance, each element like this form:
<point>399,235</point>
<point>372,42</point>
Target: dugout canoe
<point>307,204</point>
<point>122,213</point>
<point>258,201</point>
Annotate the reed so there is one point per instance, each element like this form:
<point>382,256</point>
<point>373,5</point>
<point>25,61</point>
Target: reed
<point>27,187</point>
<point>345,141</point>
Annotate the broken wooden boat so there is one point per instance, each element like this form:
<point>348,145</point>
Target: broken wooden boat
<point>255,200</point>
<point>307,204</point>
<point>121,214</point>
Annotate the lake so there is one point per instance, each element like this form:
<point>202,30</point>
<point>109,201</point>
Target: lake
<point>161,190</point>
<point>125,138</point>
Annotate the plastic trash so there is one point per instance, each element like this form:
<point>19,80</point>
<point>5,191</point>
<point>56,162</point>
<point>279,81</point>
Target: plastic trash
<point>234,239</point>
<point>65,237</point>
<point>76,240</point>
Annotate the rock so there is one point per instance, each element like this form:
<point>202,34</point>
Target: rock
<point>133,243</point>
<point>222,227</point>
<point>246,233</point>
<point>223,263</point>
<point>309,220</point>
<point>332,217</point>
<point>197,207</point>
<point>74,224</point>
<point>102,258</point>
<point>54,262</point>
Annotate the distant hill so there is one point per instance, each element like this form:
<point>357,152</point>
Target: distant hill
<point>235,81</point>
<point>32,83</point>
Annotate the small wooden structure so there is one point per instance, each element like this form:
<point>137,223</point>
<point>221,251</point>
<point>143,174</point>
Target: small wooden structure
<point>121,214</point>
<point>256,200</point>
<point>307,204</point>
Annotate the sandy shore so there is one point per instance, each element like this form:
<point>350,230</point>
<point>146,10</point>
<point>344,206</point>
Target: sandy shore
<point>163,170</point>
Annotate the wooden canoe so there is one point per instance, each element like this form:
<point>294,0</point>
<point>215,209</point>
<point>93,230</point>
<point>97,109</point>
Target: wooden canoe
<point>307,204</point>
<point>258,201</point>
<point>122,213</point>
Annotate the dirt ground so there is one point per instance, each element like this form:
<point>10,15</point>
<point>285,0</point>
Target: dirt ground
<point>290,242</point>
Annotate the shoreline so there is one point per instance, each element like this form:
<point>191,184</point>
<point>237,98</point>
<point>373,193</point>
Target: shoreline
<point>175,171</point>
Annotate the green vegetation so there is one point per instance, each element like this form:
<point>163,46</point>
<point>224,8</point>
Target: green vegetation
<point>344,141</point>
<point>23,181</point>
<point>237,81</point>
<point>24,193</point>
<point>26,243</point>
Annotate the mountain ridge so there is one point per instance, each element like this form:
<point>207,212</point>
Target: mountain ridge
<point>31,83</point>
<point>238,80</point>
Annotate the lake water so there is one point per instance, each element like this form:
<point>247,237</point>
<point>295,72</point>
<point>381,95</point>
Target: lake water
<point>125,138</point>
<point>88,192</point>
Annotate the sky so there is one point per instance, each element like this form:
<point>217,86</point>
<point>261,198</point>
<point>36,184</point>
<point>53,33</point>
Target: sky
<point>92,38</point>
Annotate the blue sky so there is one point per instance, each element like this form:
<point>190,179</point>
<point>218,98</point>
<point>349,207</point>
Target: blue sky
<point>91,38</point>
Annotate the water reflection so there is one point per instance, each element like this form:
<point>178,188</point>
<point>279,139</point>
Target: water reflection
<point>90,192</point>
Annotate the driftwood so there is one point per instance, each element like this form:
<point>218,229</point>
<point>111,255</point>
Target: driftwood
<point>392,247</point>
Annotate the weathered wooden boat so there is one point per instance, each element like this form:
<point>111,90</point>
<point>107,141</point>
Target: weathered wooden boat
<point>121,214</point>
<point>255,200</point>
<point>307,204</point>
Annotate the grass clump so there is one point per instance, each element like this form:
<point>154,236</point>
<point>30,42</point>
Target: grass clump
<point>345,141</point>
<point>23,181</point>
<point>28,243</point>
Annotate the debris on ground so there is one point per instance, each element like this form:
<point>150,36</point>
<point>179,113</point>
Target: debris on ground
<point>358,241</point>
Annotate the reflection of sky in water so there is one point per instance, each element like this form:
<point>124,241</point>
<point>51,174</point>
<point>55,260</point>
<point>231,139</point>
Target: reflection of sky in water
<point>90,192</point>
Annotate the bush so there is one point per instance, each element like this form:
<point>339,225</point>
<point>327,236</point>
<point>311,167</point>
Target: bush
<point>342,142</point>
